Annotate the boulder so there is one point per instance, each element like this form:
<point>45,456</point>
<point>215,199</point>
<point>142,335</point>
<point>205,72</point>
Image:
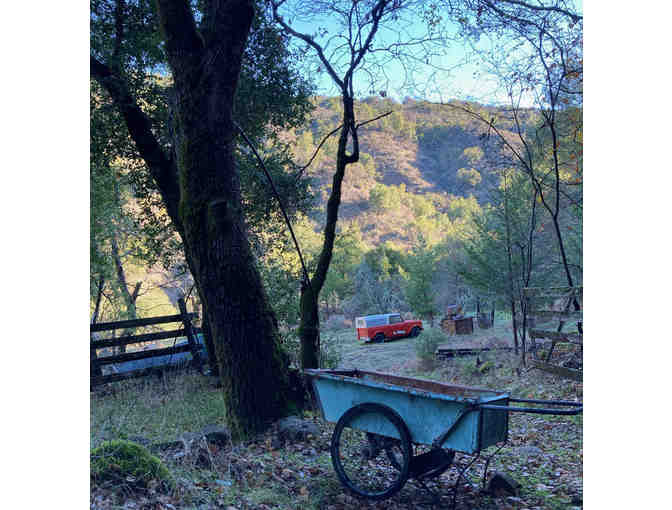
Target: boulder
<point>501,483</point>
<point>216,434</point>
<point>295,429</point>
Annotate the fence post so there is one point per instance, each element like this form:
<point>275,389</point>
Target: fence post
<point>195,351</point>
<point>96,370</point>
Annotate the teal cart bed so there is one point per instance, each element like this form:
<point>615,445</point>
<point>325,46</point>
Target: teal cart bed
<point>379,417</point>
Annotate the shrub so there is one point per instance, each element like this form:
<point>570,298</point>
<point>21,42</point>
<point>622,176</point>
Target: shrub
<point>329,354</point>
<point>428,341</point>
<point>122,461</point>
<point>336,322</point>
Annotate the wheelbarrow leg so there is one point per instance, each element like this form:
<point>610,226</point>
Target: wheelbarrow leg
<point>487,463</point>
<point>459,477</point>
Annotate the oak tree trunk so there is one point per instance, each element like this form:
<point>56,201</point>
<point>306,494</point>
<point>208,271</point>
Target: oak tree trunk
<point>200,187</point>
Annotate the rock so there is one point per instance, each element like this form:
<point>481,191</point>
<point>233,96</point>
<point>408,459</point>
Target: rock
<point>190,448</point>
<point>294,428</point>
<point>503,483</point>
<point>213,434</point>
<point>216,434</point>
<point>167,445</point>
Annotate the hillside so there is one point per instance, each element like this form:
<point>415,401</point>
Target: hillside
<point>423,164</point>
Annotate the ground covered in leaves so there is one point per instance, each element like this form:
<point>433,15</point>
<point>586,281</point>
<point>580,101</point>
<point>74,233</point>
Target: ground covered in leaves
<point>543,453</point>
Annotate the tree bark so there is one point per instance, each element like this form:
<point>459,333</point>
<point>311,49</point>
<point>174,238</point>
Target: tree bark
<point>209,343</point>
<point>309,325</point>
<point>509,257</point>
<point>201,189</point>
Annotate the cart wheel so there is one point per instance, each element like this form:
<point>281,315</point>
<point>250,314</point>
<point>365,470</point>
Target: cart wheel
<point>379,338</point>
<point>358,456</point>
<point>415,331</point>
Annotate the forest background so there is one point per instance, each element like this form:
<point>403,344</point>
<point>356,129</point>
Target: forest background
<point>47,243</point>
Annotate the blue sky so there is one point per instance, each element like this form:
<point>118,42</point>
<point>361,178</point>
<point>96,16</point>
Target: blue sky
<point>462,81</point>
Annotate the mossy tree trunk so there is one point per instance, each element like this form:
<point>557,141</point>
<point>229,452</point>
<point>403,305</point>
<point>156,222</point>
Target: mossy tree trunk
<point>200,186</point>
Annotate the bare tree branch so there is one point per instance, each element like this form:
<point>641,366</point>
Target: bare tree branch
<point>303,168</point>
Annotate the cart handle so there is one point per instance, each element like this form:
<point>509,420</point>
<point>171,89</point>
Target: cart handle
<point>539,410</point>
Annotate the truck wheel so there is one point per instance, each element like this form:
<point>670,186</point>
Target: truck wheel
<point>379,338</point>
<point>415,332</point>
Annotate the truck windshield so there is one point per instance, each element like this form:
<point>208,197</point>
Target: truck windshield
<point>395,318</point>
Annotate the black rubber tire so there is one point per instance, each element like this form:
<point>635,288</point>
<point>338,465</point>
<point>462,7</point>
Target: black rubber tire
<point>379,338</point>
<point>415,332</point>
<point>374,476</point>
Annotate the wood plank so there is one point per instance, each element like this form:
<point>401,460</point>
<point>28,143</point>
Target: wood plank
<point>568,373</point>
<point>148,321</point>
<point>552,314</point>
<point>553,292</point>
<point>96,381</point>
<point>191,337</point>
<point>134,339</point>
<point>573,337</point>
<point>132,356</point>
<point>448,352</point>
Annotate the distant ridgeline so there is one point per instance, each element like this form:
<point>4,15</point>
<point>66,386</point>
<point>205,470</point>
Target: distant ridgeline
<point>423,167</point>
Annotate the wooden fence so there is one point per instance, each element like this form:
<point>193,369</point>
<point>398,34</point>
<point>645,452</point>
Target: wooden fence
<point>561,304</point>
<point>187,330</point>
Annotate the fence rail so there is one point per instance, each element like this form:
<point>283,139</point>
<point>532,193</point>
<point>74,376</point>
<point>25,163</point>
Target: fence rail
<point>187,330</point>
<point>561,304</point>
<point>135,323</point>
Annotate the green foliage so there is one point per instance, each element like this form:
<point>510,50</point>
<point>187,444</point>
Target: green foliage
<point>422,206</point>
<point>124,462</point>
<point>421,267</point>
<point>348,251</point>
<point>473,154</point>
<point>428,341</point>
<point>263,107</point>
<point>469,175</point>
<point>497,260</point>
<point>280,266</point>
<point>385,261</point>
<point>386,198</point>
<point>463,208</point>
<point>329,357</point>
<point>486,366</point>
<point>377,289</point>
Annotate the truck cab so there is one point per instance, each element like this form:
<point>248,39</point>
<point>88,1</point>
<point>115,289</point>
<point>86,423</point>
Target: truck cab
<point>381,327</point>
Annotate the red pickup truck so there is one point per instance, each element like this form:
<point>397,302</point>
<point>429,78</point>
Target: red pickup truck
<point>378,328</point>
